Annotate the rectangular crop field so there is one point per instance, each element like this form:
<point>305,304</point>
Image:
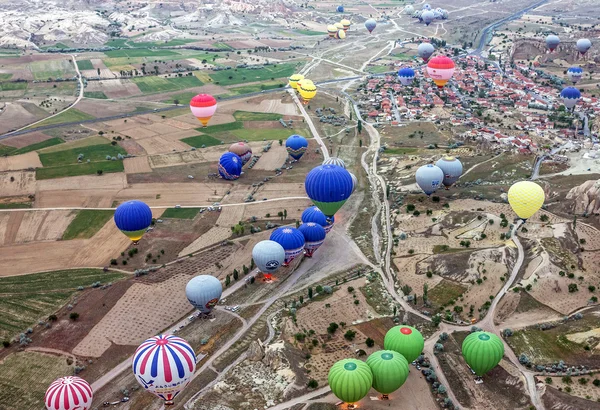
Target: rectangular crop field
<point>95,94</point>
<point>181,213</point>
<point>139,52</point>
<point>73,115</point>
<point>256,116</point>
<point>92,152</point>
<point>79,169</point>
<point>175,42</point>
<point>255,88</point>
<point>85,65</point>
<point>34,147</point>
<point>213,129</point>
<point>245,75</point>
<point>86,224</point>
<point>161,84</point>
<point>266,134</point>
<point>200,140</point>
<point>445,291</point>
<point>43,70</point>
<point>183,98</point>
<point>310,32</point>
<point>5,76</point>
<point>13,86</point>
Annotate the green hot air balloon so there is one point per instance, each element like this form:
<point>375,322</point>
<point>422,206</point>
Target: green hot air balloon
<point>405,340</point>
<point>390,370</point>
<point>350,380</point>
<point>482,351</point>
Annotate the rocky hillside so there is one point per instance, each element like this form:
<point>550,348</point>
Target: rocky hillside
<point>585,198</point>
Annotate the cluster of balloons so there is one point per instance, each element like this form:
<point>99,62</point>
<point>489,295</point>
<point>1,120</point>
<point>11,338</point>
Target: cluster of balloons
<point>338,30</point>
<point>446,171</point>
<point>303,86</point>
<point>427,14</point>
<point>582,45</point>
<point>231,162</point>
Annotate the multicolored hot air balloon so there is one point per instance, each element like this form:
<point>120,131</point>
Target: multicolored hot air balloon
<point>307,90</point>
<point>329,187</point>
<point>406,75</point>
<point>242,150</point>
<point>269,256</point>
<point>552,41</point>
<point>452,169</point>
<point>583,45</point>
<point>350,380</point>
<point>296,146</point>
<point>427,17</point>
<point>332,31</point>
<point>346,23</point>
<point>575,74</point>
<point>294,79</point>
<point>339,26</point>
<point>230,166</point>
<point>390,371</point>
<point>429,178</point>
<point>69,393</point>
<point>203,106</point>
<point>314,214</point>
<point>314,236</point>
<point>340,9</point>
<point>405,340</point>
<point>292,241</point>
<point>163,365</point>
<point>334,161</point>
<point>425,50</point>
<point>570,97</point>
<point>370,24</point>
<point>133,218</point>
<point>482,351</point>
<point>204,292</point>
<point>341,34</point>
<point>440,69</point>
<point>526,198</point>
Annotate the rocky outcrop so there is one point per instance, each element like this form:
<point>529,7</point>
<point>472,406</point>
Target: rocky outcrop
<point>585,198</point>
<point>255,351</point>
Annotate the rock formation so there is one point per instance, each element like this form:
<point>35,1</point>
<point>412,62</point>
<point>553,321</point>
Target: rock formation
<point>585,198</point>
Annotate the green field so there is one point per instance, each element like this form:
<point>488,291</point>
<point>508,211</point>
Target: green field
<point>222,46</point>
<point>160,84</point>
<point>213,129</point>
<point>199,140</point>
<point>400,151</point>
<point>43,70</point>
<point>84,142</point>
<point>5,76</point>
<point>170,43</point>
<point>311,33</point>
<point>254,88</point>
<point>21,85</point>
<point>78,169</point>
<point>181,213</point>
<point>28,298</point>
<point>114,63</point>
<point>73,115</point>
<point>95,94</point>
<point>16,205</point>
<point>445,291</point>
<point>139,52</point>
<point>256,116</point>
<point>117,42</point>
<point>183,98</point>
<point>85,65</point>
<point>6,150</point>
<point>245,75</point>
<point>86,224</point>
<point>92,152</point>
<point>250,134</point>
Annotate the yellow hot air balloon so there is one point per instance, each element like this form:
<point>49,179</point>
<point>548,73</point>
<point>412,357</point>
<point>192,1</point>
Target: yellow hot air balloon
<point>307,90</point>
<point>331,30</point>
<point>346,24</point>
<point>294,79</point>
<point>526,198</point>
<point>341,34</point>
<point>339,26</point>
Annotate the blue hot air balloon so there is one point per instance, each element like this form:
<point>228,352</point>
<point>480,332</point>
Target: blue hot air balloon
<point>426,6</point>
<point>335,161</point>
<point>575,74</point>
<point>329,187</point>
<point>268,256</point>
<point>428,16</point>
<point>133,218</point>
<point>340,9</point>
<point>370,24</point>
<point>204,292</point>
<point>296,146</point>
<point>583,45</point>
<point>406,75</point>
<point>570,96</point>
<point>292,241</point>
<point>314,214</point>
<point>314,236</point>
<point>429,178</point>
<point>230,166</point>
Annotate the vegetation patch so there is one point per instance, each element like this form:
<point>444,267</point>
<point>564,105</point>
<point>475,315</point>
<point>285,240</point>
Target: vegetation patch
<point>256,116</point>
<point>200,141</point>
<point>21,85</point>
<point>246,75</point>
<point>95,94</point>
<point>39,145</point>
<point>139,52</point>
<point>181,213</point>
<point>213,129</point>
<point>94,153</point>
<point>400,151</point>
<point>74,170</point>
<point>445,291</point>
<point>266,134</point>
<point>160,84</point>
<point>86,224</point>
<point>72,115</point>
<point>5,76</point>
<point>85,65</point>
<point>16,205</point>
<point>255,88</point>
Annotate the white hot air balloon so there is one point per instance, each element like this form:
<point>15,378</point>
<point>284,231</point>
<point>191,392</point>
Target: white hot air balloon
<point>204,292</point>
<point>268,256</point>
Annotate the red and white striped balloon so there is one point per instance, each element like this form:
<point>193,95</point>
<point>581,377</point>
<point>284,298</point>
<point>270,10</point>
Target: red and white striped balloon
<point>69,393</point>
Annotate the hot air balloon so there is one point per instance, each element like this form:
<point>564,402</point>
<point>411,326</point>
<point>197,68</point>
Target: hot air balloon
<point>269,256</point>
<point>346,24</point>
<point>329,187</point>
<point>409,10</point>
<point>425,51</point>
<point>444,14</point>
<point>340,9</point>
<point>308,90</point>
<point>292,241</point>
<point>429,178</point>
<point>350,380</point>
<point>526,198</point>
<point>163,365</point>
<point>583,45</point>
<point>575,74</point>
<point>370,24</point>
<point>482,351</point>
<point>230,166</point>
<point>354,181</point>
<point>417,14</point>
<point>390,371</point>
<point>440,69</point>
<point>570,96</point>
<point>552,42</point>
<point>242,150</point>
<point>294,79</point>
<point>332,31</point>
<point>133,218</point>
<point>406,75</point>
<point>204,292</point>
<point>427,17</point>
<point>69,393</point>
<point>405,340</point>
<point>296,146</point>
<point>426,6</point>
<point>314,214</point>
<point>452,169</point>
<point>335,161</point>
<point>341,34</point>
<point>203,107</point>
<point>339,26</point>
<point>314,236</point>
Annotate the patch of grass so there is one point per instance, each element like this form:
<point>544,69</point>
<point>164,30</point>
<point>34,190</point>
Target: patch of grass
<point>543,346</point>
<point>379,69</point>
<point>176,112</point>
<point>85,65</point>
<point>78,169</point>
<point>256,116</point>
<point>213,129</point>
<point>445,291</point>
<point>95,94</point>
<point>160,84</point>
<point>139,52</point>
<point>117,42</point>
<point>13,86</point>
<point>266,134</point>
<point>16,205</point>
<point>34,147</point>
<point>73,115</point>
<point>245,75</point>
<point>6,150</point>
<point>170,43</point>
<point>400,151</point>
<point>311,33</point>
<point>86,224</point>
<point>183,98</point>
<point>442,249</point>
<point>84,142</point>
<point>255,88</point>
<point>5,76</point>
<point>43,70</point>
<point>200,140</point>
<point>222,46</point>
<point>181,213</point>
<point>92,152</point>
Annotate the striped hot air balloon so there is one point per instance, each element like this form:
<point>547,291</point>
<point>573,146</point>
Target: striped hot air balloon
<point>203,106</point>
<point>163,365</point>
<point>295,78</point>
<point>69,393</point>
<point>346,23</point>
<point>440,69</point>
<point>575,73</point>
<point>335,161</point>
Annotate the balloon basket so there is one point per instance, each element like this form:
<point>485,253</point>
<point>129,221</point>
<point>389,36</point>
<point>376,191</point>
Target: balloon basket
<point>385,397</point>
<point>169,403</point>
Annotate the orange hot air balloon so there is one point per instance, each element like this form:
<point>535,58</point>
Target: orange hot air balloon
<point>203,107</point>
<point>440,69</point>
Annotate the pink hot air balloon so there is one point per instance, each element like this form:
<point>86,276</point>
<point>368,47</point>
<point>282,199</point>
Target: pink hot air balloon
<point>203,106</point>
<point>69,393</point>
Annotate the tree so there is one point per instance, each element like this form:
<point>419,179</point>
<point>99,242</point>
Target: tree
<point>548,380</point>
<point>544,218</point>
<point>285,214</point>
<point>332,327</point>
<point>349,335</point>
<point>98,69</point>
<point>176,101</point>
<point>369,342</point>
<point>6,344</point>
<point>227,280</point>
<point>252,265</point>
<point>350,289</point>
<point>310,293</point>
<point>99,172</point>
<point>252,279</point>
<point>52,318</point>
<point>74,316</point>
<point>245,269</point>
<point>236,274</point>
<point>280,142</point>
<point>319,289</point>
<point>573,287</point>
<point>312,384</point>
<point>436,320</point>
<point>406,290</point>
<point>301,298</point>
<point>359,126</point>
<point>425,289</point>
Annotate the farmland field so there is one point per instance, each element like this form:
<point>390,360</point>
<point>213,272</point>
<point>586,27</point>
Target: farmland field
<point>160,84</point>
<point>311,33</point>
<point>245,75</point>
<point>84,142</point>
<point>85,65</point>
<point>445,291</point>
<point>181,213</point>
<point>256,116</point>
<point>21,85</point>
<point>183,98</point>
<point>266,134</point>
<point>72,115</point>
<point>200,140</point>
<point>92,152</point>
<point>254,88</point>
<point>78,169</point>
<point>5,76</point>
<point>174,42</point>
<point>95,94</point>
<point>139,52</point>
<point>43,70</point>
<point>86,224</point>
<point>4,150</point>
<point>212,129</point>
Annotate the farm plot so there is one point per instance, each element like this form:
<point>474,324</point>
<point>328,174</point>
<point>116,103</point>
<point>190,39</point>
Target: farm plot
<point>139,52</point>
<point>22,141</point>
<point>72,115</point>
<point>82,191</point>
<point>85,224</point>
<point>23,183</point>
<point>43,226</point>
<point>176,158</point>
<point>79,143</point>
<point>161,145</point>
<point>192,193</point>
<point>17,162</point>
<point>156,84</point>
<point>117,88</point>
<point>136,165</point>
<point>43,70</point>
<point>94,153</point>
<point>201,141</point>
<point>15,116</point>
<point>245,75</point>
<point>85,65</point>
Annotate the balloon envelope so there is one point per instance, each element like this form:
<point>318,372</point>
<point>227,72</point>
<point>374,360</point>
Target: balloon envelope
<point>427,17</point>
<point>583,45</point>
<point>335,161</point>
<point>292,241</point>
<point>452,169</point>
<point>552,41</point>
<point>429,178</point>
<point>341,35</point>
<point>203,106</point>
<point>294,79</point>
<point>345,24</point>
<point>440,69</point>
<point>350,380</point>
<point>133,218</point>
<point>230,166</point>
<point>296,146</point>
<point>570,96</point>
<point>370,24</point>
<point>332,31</point>
<point>68,393</point>
<point>314,236</point>
<point>269,256</point>
<point>242,150</point>
<point>405,340</point>
<point>163,365</point>
<point>526,198</point>
<point>425,50</point>
<point>482,351</point>
<point>406,75</point>
<point>575,74</point>
<point>308,89</point>
<point>329,187</point>
<point>426,6</point>
<point>204,292</point>
<point>314,214</point>
<point>340,9</point>
<point>409,9</point>
<point>354,181</point>
<point>390,370</point>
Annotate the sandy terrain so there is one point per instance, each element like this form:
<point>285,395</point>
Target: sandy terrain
<point>43,226</point>
<point>176,158</point>
<point>15,116</point>
<point>406,276</point>
<point>24,183</point>
<point>138,132</point>
<point>275,158</point>
<point>116,88</point>
<point>162,145</point>
<point>83,191</point>
<point>181,125</point>
<point>21,141</point>
<point>172,194</point>
<point>136,165</point>
<point>23,161</point>
<point>117,180</point>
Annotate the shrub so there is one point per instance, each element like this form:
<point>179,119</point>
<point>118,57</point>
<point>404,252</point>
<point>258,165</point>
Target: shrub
<point>6,343</point>
<point>573,287</point>
<point>508,332</point>
<point>596,382</point>
<point>312,384</point>
<point>567,379</point>
<point>332,327</point>
<point>349,335</point>
<point>369,342</point>
<point>548,380</point>
<point>350,289</point>
<point>52,318</point>
<point>583,381</point>
<point>300,337</point>
<point>74,316</point>
<point>591,288</point>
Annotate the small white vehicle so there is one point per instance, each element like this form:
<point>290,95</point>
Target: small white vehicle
<point>177,206</point>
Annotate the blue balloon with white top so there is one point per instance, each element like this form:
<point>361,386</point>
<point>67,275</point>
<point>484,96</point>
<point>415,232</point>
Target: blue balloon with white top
<point>406,75</point>
<point>314,236</point>
<point>570,97</point>
<point>292,241</point>
<point>314,214</point>
<point>575,74</point>
<point>230,166</point>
